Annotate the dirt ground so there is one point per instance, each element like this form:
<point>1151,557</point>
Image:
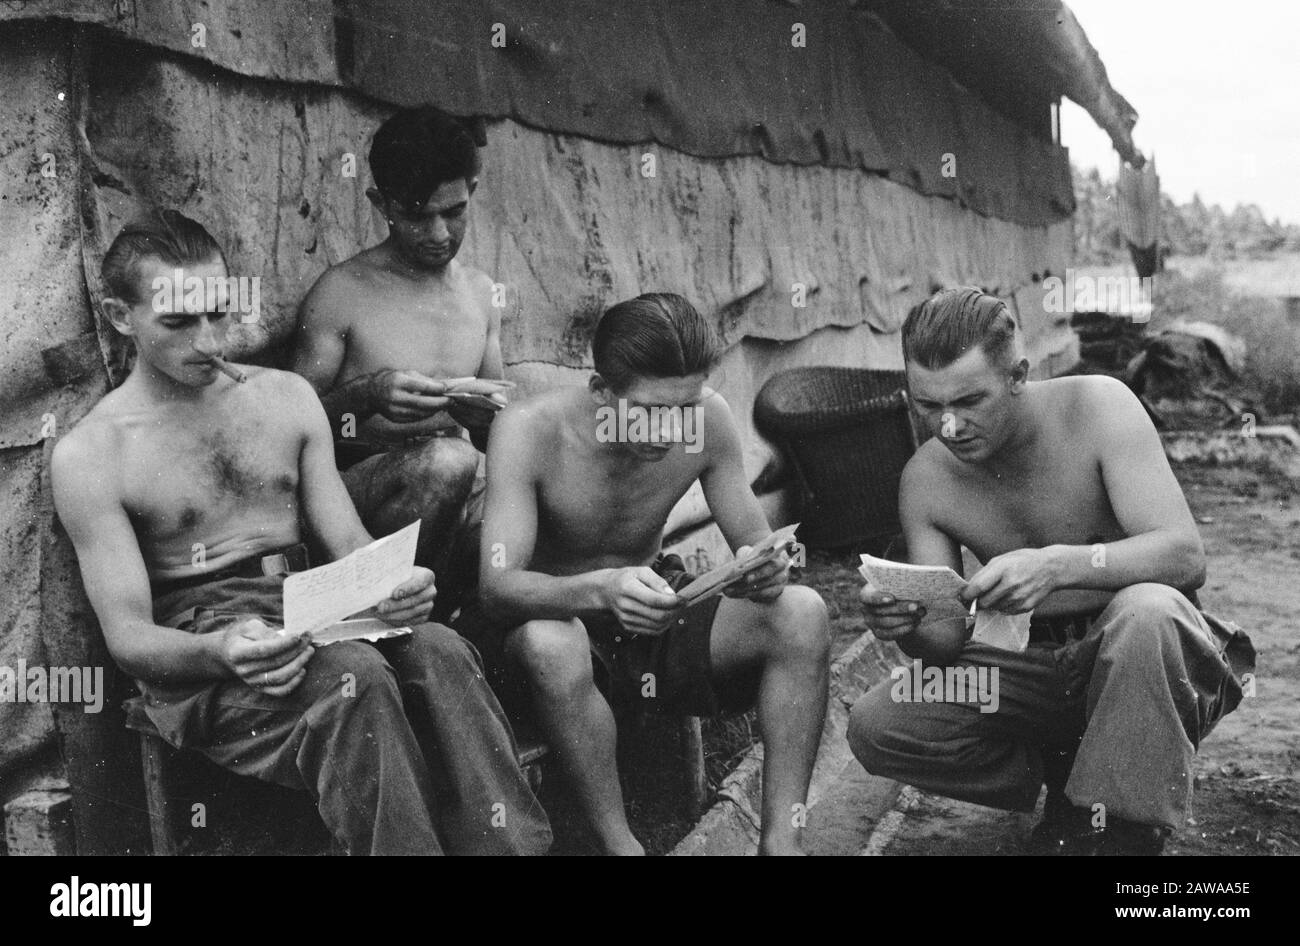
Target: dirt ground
<point>1247,798</point>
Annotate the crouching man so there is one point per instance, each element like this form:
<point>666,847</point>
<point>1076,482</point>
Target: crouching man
<point>580,485</point>
<point>182,492</point>
<point>1062,490</point>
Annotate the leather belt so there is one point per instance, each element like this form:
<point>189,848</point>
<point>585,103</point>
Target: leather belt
<point>284,562</point>
<point>1061,630</point>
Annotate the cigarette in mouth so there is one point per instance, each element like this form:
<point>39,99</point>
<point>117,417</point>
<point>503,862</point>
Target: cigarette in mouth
<point>224,367</point>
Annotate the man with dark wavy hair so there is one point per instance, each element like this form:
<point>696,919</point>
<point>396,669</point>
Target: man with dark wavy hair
<point>1062,490</point>
<point>580,485</point>
<point>380,335</point>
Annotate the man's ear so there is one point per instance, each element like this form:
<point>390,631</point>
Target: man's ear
<point>1019,375</point>
<point>378,201</point>
<point>471,183</point>
<point>599,388</point>
<point>119,314</point>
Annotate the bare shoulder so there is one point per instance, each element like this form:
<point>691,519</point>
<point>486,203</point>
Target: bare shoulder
<point>331,297</point>
<point>535,419</point>
<point>278,391</point>
<point>88,454</point>
<point>719,423</point>
<point>477,288</point>
<point>1092,401</point>
<point>715,404</point>
<point>475,279</point>
<point>927,469</point>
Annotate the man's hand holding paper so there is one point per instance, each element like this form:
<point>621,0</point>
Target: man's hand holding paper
<point>640,599</point>
<point>1015,582</point>
<point>900,598</point>
<point>380,578</point>
<point>411,601</point>
<point>265,658</point>
<point>889,618</point>
<point>765,583</point>
<point>768,562</point>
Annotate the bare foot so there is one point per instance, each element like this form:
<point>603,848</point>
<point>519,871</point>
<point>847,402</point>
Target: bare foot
<point>629,848</point>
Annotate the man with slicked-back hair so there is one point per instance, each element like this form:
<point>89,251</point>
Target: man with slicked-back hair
<point>580,484</point>
<point>189,493</point>
<point>1062,490</point>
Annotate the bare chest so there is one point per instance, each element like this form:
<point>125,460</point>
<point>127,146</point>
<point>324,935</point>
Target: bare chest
<point>1056,500</point>
<point>596,516</point>
<point>193,480</point>
<point>439,334</point>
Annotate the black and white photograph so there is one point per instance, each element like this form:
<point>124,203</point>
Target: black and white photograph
<point>579,427</point>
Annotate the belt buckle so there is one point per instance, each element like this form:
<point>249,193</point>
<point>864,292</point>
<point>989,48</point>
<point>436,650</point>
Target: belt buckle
<point>275,564</point>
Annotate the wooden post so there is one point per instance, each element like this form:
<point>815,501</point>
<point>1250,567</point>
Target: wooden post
<point>39,822</point>
<point>695,783</point>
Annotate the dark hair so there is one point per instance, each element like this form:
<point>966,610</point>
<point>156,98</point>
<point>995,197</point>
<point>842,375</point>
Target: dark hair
<point>951,322</point>
<point>418,149</point>
<point>168,235</point>
<point>655,335</point>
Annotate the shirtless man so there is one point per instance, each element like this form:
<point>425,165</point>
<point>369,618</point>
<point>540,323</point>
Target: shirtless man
<point>379,335</point>
<point>182,492</point>
<point>1062,490</point>
<point>571,568</point>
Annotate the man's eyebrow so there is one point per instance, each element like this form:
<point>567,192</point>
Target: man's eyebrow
<point>952,400</point>
<point>420,212</point>
<point>193,315</point>
<point>694,402</point>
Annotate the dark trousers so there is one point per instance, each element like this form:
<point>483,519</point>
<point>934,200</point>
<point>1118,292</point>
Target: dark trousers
<point>402,744</point>
<point>1133,698</point>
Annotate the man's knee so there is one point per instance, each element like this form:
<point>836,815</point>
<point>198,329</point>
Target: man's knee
<point>554,657</point>
<point>351,674</point>
<point>872,724</point>
<point>1144,615</point>
<point>439,646</point>
<point>799,624</point>
<point>436,653</point>
<point>445,467</point>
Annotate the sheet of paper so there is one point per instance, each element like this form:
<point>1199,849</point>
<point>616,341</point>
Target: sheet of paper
<point>715,581</point>
<point>476,400</point>
<point>478,392</point>
<point>359,629</point>
<point>1005,631</point>
<point>936,587</point>
<point>320,597</point>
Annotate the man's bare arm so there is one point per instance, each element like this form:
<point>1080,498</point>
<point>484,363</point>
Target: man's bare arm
<point>493,364</point>
<point>1163,543</point>
<point>928,545</point>
<point>731,500</point>
<point>114,573</point>
<point>476,420</point>
<point>510,591</point>
<point>319,347</point>
<point>327,509</point>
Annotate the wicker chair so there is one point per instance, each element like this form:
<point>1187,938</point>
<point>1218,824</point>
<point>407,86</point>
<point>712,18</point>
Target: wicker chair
<point>848,433</point>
